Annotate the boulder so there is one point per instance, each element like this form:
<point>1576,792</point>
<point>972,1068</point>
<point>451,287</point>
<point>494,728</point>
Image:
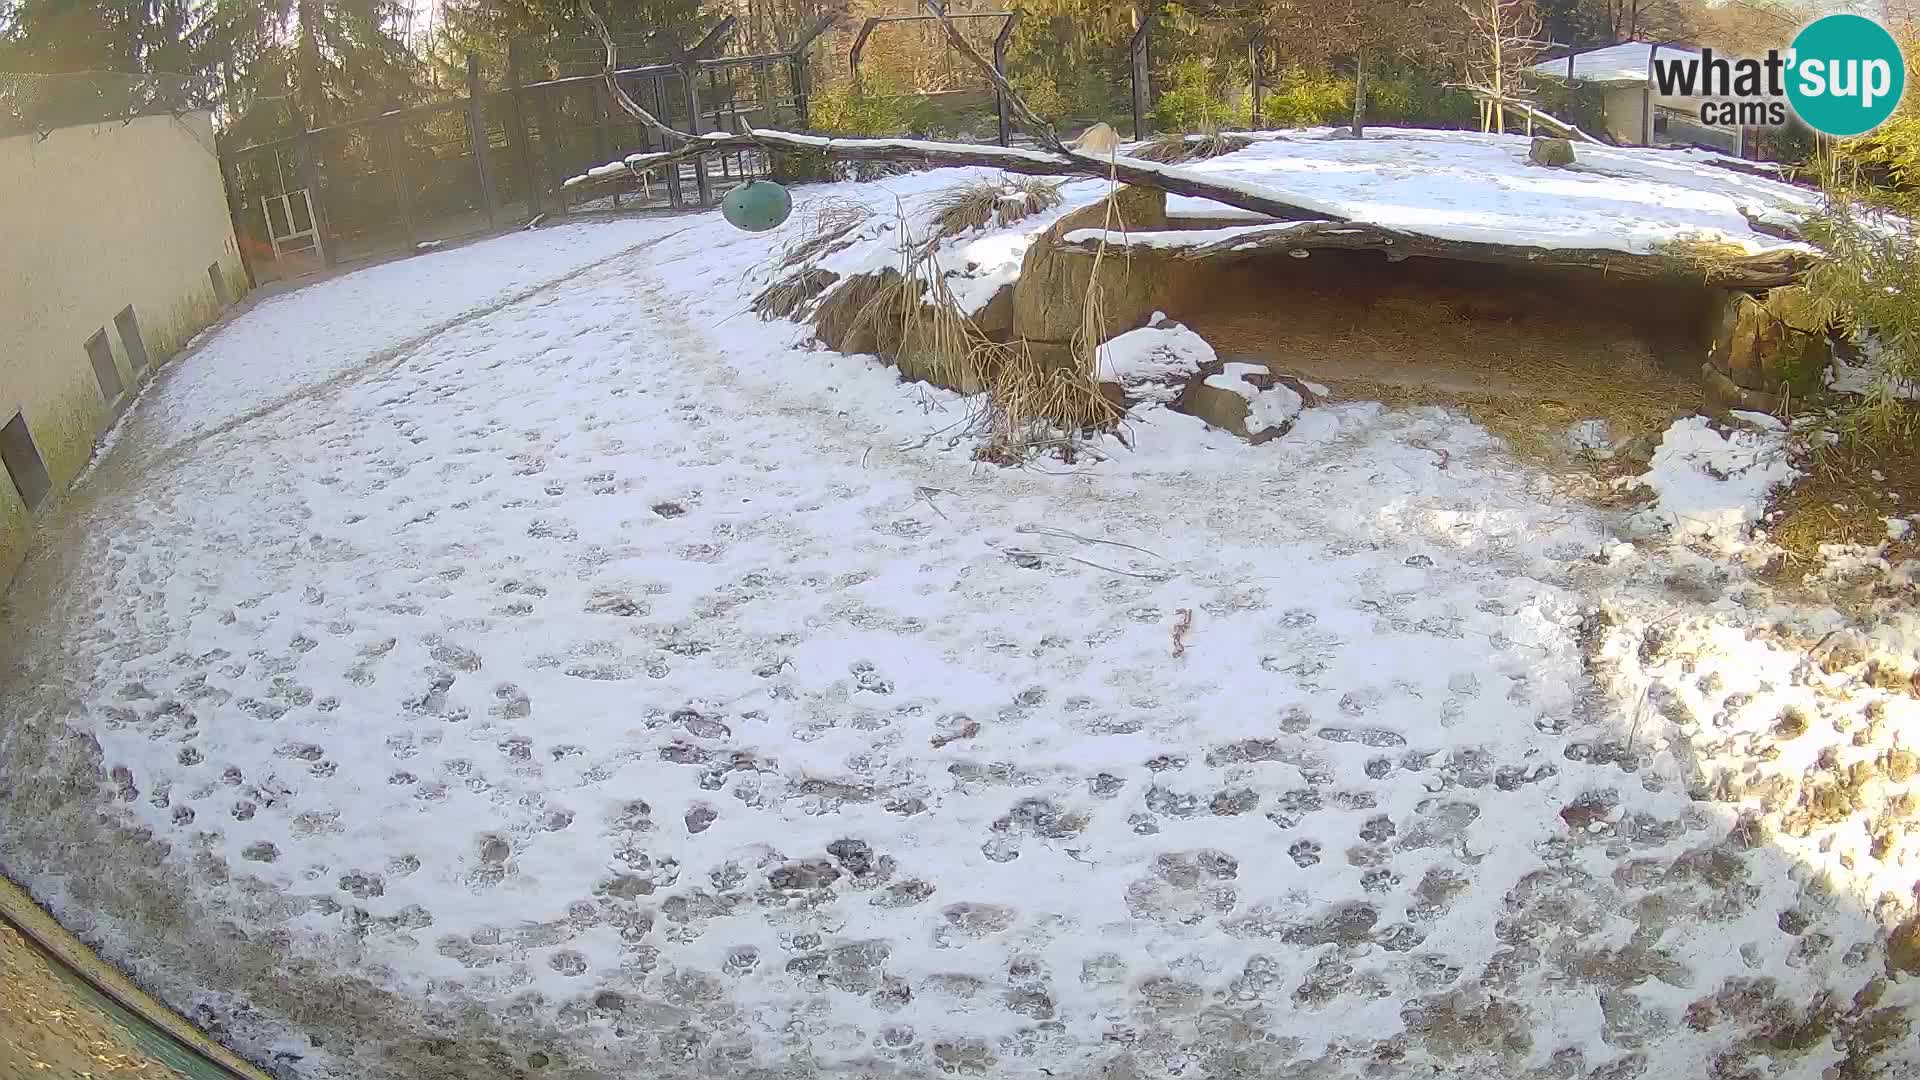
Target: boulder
<point>1244,399</point>
<point>844,323</point>
<point>1051,290</point>
<point>995,320</point>
<point>1550,151</point>
<point>1153,363</point>
<point>1727,394</point>
<point>1772,342</point>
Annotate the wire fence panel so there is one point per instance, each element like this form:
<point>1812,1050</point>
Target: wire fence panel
<point>453,168</point>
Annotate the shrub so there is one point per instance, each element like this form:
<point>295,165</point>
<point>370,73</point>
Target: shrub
<point>873,107</point>
<point>1303,98</point>
<point>1884,164</point>
<point>1199,95</point>
<point>1867,285</point>
<point>1042,94</point>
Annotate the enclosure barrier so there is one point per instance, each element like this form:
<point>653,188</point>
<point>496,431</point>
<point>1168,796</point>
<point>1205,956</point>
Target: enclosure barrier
<point>88,1011</point>
<point>488,159</point>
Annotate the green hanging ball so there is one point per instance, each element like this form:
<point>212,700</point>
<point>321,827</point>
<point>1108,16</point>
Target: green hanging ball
<point>757,206</point>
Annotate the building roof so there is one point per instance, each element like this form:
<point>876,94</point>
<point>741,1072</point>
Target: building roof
<point>1622,64</point>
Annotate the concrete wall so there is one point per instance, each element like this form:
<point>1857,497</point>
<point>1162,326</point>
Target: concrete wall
<point>92,219</point>
<point>1625,110</point>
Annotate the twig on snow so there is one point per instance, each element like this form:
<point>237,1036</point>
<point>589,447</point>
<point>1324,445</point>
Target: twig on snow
<point>1027,553</point>
<point>1634,730</point>
<point>1182,622</point>
<point>928,493</point>
<point>1041,530</point>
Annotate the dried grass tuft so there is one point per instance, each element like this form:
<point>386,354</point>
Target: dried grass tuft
<point>979,203</point>
<point>912,315</point>
<point>1034,401</point>
<point>824,226</point>
<point>1175,147</point>
<point>1036,405</point>
<point>793,294</point>
<point>1039,403</point>
<point>1711,256</point>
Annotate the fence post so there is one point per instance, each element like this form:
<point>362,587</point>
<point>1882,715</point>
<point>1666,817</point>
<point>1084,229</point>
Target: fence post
<point>395,138</point>
<point>1000,65</point>
<point>690,75</point>
<point>1254,57</point>
<point>517,131</point>
<point>603,116</point>
<point>477,139</point>
<point>798,64</point>
<point>1138,50</point>
<point>763,88</point>
<point>551,145</point>
<point>308,171</point>
<point>674,197</point>
<point>230,176</point>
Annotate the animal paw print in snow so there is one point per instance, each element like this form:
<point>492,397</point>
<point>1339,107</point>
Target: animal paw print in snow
<point>866,677</point>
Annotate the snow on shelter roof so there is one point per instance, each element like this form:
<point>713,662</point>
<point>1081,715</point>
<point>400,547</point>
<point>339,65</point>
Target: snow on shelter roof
<point>1623,63</point>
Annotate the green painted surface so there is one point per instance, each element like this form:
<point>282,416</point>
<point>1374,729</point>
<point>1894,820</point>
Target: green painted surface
<point>757,206</point>
<point>151,1040</point>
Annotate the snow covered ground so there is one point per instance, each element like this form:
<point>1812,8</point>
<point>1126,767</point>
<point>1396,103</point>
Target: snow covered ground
<point>554,668</point>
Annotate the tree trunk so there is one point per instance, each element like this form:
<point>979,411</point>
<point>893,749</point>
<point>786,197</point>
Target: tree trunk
<point>1360,93</point>
<point>1499,69</point>
<point>1765,270</point>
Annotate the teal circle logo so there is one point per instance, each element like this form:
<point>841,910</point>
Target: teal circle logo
<point>1846,75</point>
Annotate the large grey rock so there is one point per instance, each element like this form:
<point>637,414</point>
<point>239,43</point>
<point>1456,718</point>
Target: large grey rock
<point>1550,151</point>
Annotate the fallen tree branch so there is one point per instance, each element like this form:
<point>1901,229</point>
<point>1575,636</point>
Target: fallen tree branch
<point>1537,115</point>
<point>1301,226</point>
<point>1764,270</point>
<point>1057,159</point>
<point>1011,159</point>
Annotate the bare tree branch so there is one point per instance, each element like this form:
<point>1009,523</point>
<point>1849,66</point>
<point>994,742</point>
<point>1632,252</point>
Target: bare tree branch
<point>1041,130</point>
<point>1538,115</point>
<point>666,132</point>
<point>1011,159</point>
<point>1056,159</point>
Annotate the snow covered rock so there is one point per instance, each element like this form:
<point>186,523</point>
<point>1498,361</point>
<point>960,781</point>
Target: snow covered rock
<point>1245,399</point>
<point>1155,362</point>
<point>1165,363</point>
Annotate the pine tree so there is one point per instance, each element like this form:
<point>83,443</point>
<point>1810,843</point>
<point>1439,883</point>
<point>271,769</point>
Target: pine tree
<point>553,37</point>
<point>315,62</point>
<point>130,36</point>
<point>264,62</point>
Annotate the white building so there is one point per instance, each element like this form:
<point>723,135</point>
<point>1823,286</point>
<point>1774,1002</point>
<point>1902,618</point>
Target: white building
<point>1633,112</point>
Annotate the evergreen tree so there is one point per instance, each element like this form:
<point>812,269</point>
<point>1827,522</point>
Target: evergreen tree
<point>130,36</point>
<point>263,62</point>
<point>312,61</point>
<point>553,37</point>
